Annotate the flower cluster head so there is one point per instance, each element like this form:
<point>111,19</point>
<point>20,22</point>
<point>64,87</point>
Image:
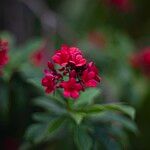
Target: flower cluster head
<point>39,58</point>
<point>3,53</point>
<point>141,61</point>
<point>73,73</point>
<point>122,5</point>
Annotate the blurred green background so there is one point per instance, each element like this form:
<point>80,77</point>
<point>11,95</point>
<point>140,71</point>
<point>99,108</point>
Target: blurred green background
<point>108,31</point>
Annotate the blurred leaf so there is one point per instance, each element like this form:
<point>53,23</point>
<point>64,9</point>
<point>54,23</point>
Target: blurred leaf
<point>104,137</point>
<point>36,82</point>
<point>56,124</point>
<point>128,110</point>
<point>54,96</point>
<point>4,99</point>
<point>21,55</point>
<point>113,117</point>
<point>50,105</point>
<point>120,134</point>
<point>77,116</point>
<point>87,97</point>
<point>125,122</point>
<point>29,71</point>
<point>36,132</point>
<point>75,10</point>
<point>43,131</point>
<point>96,108</point>
<point>9,37</point>
<point>32,45</point>
<point>57,96</point>
<point>42,117</point>
<point>82,139</point>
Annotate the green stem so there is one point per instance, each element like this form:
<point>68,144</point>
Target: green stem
<point>69,104</point>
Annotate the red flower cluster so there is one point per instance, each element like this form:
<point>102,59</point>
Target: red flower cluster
<point>73,75</point>
<point>3,53</point>
<point>141,61</point>
<point>39,57</point>
<point>122,5</point>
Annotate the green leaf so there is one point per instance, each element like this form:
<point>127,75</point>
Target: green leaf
<point>9,37</point>
<point>49,105</point>
<point>56,124</point>
<point>77,116</point>
<point>21,55</point>
<point>113,117</point>
<point>30,71</point>
<point>36,132</point>
<point>57,96</point>
<point>105,137</point>
<point>32,45</point>
<point>130,111</point>
<point>54,96</point>
<point>4,99</point>
<point>87,97</point>
<point>44,131</point>
<point>42,117</point>
<point>124,121</point>
<point>81,138</point>
<point>36,82</point>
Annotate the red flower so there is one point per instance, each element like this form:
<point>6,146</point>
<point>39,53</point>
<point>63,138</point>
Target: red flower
<point>36,58</point>
<point>71,88</point>
<point>141,61</point>
<point>49,82</point>
<point>3,52</point>
<point>69,54</point>
<point>62,56</point>
<point>90,76</point>
<point>39,57</point>
<point>74,75</point>
<point>76,57</point>
<point>122,5</point>
<point>145,58</point>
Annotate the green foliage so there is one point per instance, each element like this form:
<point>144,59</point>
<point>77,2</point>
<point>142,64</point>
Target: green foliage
<point>87,97</point>
<point>91,124</point>
<point>86,122</point>
<point>82,139</point>
<point>20,59</point>
<point>4,100</point>
<point>50,105</point>
<point>96,108</point>
<point>82,119</point>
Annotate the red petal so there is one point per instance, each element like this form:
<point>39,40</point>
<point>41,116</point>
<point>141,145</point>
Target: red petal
<point>50,65</point>
<point>49,90</point>
<point>78,87</point>
<point>74,94</point>
<point>66,93</point>
<point>72,81</point>
<point>91,75</point>
<point>72,74</point>
<point>91,83</point>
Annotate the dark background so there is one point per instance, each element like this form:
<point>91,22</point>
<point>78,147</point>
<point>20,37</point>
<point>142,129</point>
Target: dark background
<point>73,21</point>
